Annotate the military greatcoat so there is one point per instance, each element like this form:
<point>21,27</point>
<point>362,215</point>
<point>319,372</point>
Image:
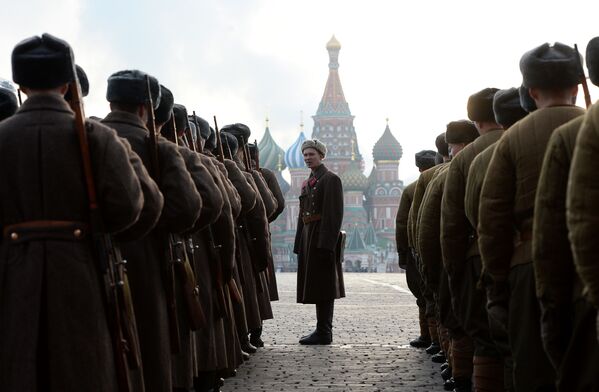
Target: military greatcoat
<point>53,329</point>
<point>320,273</point>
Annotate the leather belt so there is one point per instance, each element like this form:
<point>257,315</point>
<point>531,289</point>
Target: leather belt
<point>310,218</point>
<point>45,230</point>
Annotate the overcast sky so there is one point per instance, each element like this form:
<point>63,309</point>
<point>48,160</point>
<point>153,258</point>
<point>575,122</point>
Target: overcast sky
<point>414,62</point>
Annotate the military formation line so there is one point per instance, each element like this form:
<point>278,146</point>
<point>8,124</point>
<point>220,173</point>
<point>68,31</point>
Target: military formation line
<point>498,234</point>
<point>136,250</point>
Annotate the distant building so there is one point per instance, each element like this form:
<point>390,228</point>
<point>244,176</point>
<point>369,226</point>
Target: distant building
<point>370,203</point>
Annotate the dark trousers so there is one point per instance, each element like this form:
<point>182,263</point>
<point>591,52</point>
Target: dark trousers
<point>578,371</point>
<point>324,316</point>
<point>532,369</point>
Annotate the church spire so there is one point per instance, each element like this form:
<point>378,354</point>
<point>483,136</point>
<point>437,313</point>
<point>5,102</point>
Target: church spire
<point>333,100</point>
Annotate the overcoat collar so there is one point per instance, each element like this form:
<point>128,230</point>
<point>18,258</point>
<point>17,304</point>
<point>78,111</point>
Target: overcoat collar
<point>319,172</point>
<point>118,116</point>
<point>53,102</point>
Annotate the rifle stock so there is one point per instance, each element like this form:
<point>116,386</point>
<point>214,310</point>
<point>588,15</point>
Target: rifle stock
<point>583,79</point>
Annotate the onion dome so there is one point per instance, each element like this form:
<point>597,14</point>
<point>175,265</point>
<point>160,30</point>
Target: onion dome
<point>355,241</point>
<point>333,44</point>
<point>387,148</point>
<point>270,151</point>
<point>294,159</point>
<point>353,179</point>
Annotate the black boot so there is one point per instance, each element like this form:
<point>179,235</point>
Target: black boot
<point>433,348</point>
<point>446,373</point>
<point>248,347</point>
<point>324,325</point>
<point>444,365</point>
<point>420,342</point>
<point>462,385</point>
<point>438,357</point>
<point>449,384</point>
<point>255,337</point>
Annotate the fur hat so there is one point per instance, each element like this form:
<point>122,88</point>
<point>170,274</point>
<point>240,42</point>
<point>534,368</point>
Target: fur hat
<point>163,112</point>
<point>239,131</point>
<point>42,62</point>
<point>210,144</point>
<point>461,131</point>
<point>592,60</point>
<point>526,100</point>
<point>202,124</point>
<point>8,99</point>
<point>315,144</point>
<point>441,144</point>
<point>550,67</point>
<point>83,82</point>
<point>130,87</point>
<point>181,121</point>
<point>507,108</point>
<point>425,159</point>
<point>229,143</point>
<point>480,105</point>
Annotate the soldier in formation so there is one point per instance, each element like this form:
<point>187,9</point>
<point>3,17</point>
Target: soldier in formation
<point>135,255</point>
<point>509,225</point>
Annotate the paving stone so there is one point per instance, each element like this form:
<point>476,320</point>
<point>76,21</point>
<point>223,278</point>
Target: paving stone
<point>370,350</point>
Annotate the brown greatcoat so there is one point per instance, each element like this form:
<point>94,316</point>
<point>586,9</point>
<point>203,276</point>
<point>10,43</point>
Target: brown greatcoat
<point>455,228</point>
<point>505,232</point>
<point>320,273</point>
<point>53,330</point>
<point>183,362</point>
<point>401,224</point>
<point>146,257</point>
<point>579,363</point>
<point>275,189</point>
<point>428,231</point>
<point>423,181</point>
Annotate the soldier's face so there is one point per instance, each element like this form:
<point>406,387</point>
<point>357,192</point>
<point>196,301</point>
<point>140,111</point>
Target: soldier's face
<point>312,158</point>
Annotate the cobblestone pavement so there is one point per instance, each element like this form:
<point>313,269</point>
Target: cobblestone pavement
<point>370,350</point>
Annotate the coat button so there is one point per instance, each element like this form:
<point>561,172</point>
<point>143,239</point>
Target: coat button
<point>77,233</point>
<point>14,236</point>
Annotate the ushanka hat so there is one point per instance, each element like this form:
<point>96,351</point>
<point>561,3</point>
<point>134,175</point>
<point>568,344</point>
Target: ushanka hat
<point>315,144</point>
<point>592,60</point>
<point>202,124</point>
<point>130,87</point>
<point>550,67</point>
<point>425,159</point>
<point>240,131</point>
<point>461,131</point>
<point>507,108</point>
<point>164,110</point>
<point>480,105</point>
<point>8,99</point>
<point>441,144</point>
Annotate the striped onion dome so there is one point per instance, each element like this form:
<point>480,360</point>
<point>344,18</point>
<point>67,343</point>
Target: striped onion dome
<point>270,152</point>
<point>294,159</point>
<point>387,147</point>
<point>353,179</point>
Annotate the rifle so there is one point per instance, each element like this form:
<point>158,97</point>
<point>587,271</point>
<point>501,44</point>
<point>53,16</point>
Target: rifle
<point>195,122</point>
<point>174,124</point>
<point>257,160</point>
<point>109,261</point>
<point>583,79</point>
<point>171,302</point>
<point>189,136</point>
<point>219,143</point>
<point>21,100</point>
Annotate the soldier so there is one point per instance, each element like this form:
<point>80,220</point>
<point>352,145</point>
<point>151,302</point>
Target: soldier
<point>458,135</point>
<point>507,206</point>
<point>424,160</point>
<point>423,181</point>
<point>319,274</point>
<point>271,181</point>
<point>568,317</point>
<point>457,236</point>
<point>55,334</point>
<point>148,263</point>
<point>8,99</point>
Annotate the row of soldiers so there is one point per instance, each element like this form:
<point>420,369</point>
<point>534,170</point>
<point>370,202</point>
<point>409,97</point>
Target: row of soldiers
<point>498,234</point>
<point>135,251</point>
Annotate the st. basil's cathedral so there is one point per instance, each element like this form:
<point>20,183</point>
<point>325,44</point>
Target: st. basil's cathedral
<point>370,202</point>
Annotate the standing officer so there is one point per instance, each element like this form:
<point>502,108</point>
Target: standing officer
<point>319,274</point>
<point>550,72</point>
<point>55,334</point>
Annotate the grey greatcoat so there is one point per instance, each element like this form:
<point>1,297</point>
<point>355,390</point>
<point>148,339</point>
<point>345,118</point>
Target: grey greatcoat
<point>53,330</point>
<point>146,257</point>
<point>320,273</point>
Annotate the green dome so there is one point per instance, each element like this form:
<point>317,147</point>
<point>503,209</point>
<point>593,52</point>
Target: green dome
<point>271,155</point>
<point>353,179</point>
<point>387,148</point>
